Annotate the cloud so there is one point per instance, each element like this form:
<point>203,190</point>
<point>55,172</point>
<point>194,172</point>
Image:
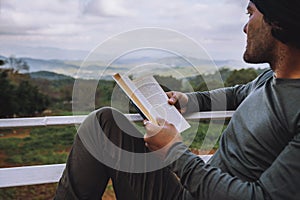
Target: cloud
<point>82,24</point>
<point>112,8</point>
<point>27,17</point>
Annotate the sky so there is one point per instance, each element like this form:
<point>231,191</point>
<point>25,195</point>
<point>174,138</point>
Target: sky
<point>70,29</point>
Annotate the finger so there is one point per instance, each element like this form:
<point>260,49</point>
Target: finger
<point>182,110</point>
<point>151,129</point>
<point>172,98</point>
<point>170,94</point>
<point>160,121</point>
<point>151,147</point>
<point>145,122</point>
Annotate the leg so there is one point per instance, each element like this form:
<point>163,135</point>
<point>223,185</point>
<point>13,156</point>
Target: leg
<point>86,176</point>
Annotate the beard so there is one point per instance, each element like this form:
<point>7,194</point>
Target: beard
<point>259,54</point>
<point>256,56</point>
<point>261,46</point>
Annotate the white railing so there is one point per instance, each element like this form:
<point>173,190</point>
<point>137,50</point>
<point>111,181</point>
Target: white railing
<point>77,119</point>
<point>40,174</point>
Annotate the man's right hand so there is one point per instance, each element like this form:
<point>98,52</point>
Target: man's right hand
<point>178,99</point>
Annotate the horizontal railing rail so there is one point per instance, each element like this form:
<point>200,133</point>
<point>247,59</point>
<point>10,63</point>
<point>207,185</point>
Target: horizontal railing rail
<point>41,174</point>
<point>77,119</point>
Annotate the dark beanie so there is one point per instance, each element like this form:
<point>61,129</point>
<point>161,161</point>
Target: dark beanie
<point>284,17</point>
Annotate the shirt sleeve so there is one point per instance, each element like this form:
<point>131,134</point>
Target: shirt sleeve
<point>280,181</point>
<point>228,98</point>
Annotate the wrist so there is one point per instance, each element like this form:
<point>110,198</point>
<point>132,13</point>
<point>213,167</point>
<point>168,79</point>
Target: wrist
<point>175,152</point>
<point>192,104</point>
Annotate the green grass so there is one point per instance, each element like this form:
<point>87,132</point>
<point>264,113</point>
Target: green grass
<point>44,145</point>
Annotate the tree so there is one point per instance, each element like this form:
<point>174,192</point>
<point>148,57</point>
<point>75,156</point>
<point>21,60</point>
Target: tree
<point>168,82</point>
<point>30,100</point>
<point>2,62</point>
<point>212,84</point>
<point>17,64</point>
<point>224,72</point>
<point>8,105</point>
<point>241,77</point>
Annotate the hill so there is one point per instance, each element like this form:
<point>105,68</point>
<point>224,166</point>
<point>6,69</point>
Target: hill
<point>165,66</point>
<point>49,76</point>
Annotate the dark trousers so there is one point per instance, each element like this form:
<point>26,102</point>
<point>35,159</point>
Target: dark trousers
<point>86,177</point>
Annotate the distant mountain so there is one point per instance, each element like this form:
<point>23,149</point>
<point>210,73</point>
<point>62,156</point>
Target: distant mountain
<point>98,69</point>
<point>2,57</point>
<point>58,66</point>
<point>181,62</point>
<point>49,76</point>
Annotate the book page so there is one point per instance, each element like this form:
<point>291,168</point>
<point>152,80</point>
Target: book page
<point>158,100</point>
<point>136,97</point>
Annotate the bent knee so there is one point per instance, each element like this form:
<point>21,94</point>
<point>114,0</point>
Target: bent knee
<point>105,114</point>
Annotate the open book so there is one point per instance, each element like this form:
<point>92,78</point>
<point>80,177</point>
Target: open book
<point>151,101</point>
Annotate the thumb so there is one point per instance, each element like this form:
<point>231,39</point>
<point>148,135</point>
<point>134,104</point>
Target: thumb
<point>151,129</point>
<point>160,121</point>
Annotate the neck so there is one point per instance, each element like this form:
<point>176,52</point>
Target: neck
<point>287,63</point>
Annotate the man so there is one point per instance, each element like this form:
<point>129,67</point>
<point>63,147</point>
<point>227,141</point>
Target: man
<point>259,151</point>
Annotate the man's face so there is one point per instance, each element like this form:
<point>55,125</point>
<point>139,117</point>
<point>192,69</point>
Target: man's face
<point>260,43</point>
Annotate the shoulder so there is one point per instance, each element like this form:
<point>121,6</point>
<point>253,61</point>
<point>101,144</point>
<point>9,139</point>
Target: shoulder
<point>267,74</point>
<point>262,78</point>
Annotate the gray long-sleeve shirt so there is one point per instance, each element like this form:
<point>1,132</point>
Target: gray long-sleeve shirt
<point>259,153</point>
